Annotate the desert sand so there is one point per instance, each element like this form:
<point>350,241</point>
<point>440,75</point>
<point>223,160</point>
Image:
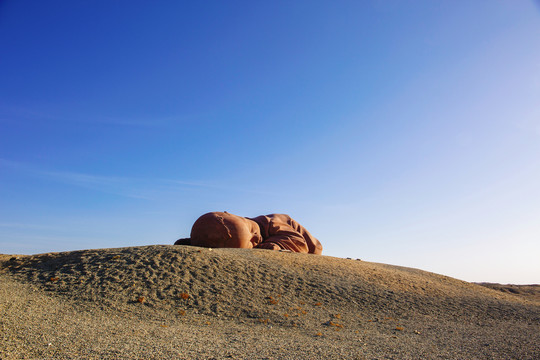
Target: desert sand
<point>183,302</point>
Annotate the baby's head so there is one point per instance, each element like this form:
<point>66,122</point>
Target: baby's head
<point>224,230</point>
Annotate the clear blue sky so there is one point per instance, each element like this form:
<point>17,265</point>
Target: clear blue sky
<point>402,132</point>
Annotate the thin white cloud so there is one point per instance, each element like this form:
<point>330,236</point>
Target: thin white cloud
<point>210,185</point>
<point>131,187</point>
<point>11,113</point>
<point>149,122</point>
<point>27,226</point>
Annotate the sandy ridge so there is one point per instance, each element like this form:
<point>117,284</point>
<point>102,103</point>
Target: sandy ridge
<point>347,308</point>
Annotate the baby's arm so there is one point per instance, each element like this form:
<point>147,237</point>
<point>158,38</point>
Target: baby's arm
<point>285,237</point>
<point>268,246</point>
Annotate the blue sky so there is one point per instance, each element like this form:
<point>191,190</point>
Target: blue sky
<point>402,132</point>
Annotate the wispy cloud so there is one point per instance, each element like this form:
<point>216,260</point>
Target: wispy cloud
<point>123,186</point>
<point>163,121</point>
<point>212,185</point>
<point>130,187</point>
<point>11,113</point>
<point>27,226</point>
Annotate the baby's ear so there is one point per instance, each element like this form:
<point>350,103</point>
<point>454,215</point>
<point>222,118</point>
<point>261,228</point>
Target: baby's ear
<point>184,241</point>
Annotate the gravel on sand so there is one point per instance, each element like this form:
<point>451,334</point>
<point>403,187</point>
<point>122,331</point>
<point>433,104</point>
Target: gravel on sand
<point>183,302</point>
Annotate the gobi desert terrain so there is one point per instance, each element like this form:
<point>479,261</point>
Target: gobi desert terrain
<point>182,302</point>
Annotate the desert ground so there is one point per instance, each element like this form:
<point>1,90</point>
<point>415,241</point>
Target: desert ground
<point>183,302</point>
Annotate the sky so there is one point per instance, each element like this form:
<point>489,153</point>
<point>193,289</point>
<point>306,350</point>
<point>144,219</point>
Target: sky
<point>399,132</point>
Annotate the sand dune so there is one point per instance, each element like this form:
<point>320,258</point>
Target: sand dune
<point>186,302</point>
